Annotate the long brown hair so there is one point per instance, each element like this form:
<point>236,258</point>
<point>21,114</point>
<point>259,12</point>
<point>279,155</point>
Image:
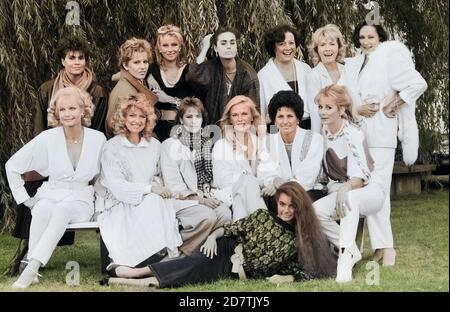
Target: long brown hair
<point>313,248</point>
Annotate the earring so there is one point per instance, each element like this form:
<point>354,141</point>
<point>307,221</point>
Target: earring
<point>179,130</point>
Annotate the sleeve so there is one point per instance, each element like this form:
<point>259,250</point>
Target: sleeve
<point>100,100</point>
<point>170,171</point>
<point>40,114</point>
<point>402,75</point>
<point>199,77</point>
<point>242,226</point>
<point>32,156</point>
<point>313,87</point>
<point>114,178</point>
<point>356,157</point>
<point>252,89</point>
<point>294,268</point>
<point>308,170</point>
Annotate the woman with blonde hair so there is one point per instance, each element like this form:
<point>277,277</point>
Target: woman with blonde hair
<point>69,154</point>
<point>135,56</point>
<point>167,77</point>
<point>326,52</point>
<point>354,189</point>
<point>137,225</point>
<point>241,164</point>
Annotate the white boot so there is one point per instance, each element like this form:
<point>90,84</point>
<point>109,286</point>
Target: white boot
<point>347,259</point>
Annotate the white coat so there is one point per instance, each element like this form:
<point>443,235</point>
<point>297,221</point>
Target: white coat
<point>47,154</point>
<point>389,69</point>
<point>318,79</point>
<point>271,81</point>
<point>304,172</point>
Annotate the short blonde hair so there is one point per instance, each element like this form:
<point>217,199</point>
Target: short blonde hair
<point>138,101</point>
<point>129,47</point>
<point>86,105</point>
<point>342,96</point>
<point>259,127</point>
<point>330,32</point>
<point>171,31</point>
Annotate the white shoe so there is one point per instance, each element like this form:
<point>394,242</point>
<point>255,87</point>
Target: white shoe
<point>345,264</point>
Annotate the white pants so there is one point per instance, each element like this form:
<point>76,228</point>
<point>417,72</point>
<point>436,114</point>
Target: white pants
<point>49,222</point>
<point>379,224</point>
<point>363,201</point>
<point>246,197</point>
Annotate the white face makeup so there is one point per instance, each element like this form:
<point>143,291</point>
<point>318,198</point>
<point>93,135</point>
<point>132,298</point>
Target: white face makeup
<point>368,39</point>
<point>192,120</point>
<point>137,66</point>
<point>226,46</point>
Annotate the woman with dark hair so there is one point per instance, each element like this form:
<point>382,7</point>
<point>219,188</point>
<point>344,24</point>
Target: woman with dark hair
<point>387,85</point>
<point>298,152</point>
<point>69,154</point>
<point>135,56</point>
<point>283,71</point>
<point>223,77</point>
<point>287,242</point>
<point>167,77</point>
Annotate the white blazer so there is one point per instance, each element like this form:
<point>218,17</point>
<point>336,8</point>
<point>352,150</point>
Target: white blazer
<point>389,69</point>
<point>47,154</point>
<point>318,79</point>
<point>271,81</point>
<point>304,172</point>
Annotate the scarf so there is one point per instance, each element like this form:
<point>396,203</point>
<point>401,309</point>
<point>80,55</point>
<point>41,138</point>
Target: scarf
<point>201,147</point>
<point>63,81</point>
<point>149,95</point>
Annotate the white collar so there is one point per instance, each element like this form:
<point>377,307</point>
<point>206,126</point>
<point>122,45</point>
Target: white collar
<point>125,142</point>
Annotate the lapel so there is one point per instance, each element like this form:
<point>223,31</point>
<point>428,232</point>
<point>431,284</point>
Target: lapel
<point>61,146</point>
<point>297,147</point>
<point>283,159</point>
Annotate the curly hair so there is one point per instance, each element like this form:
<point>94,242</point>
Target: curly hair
<point>171,31</point>
<point>285,98</point>
<point>327,32</point>
<point>129,47</point>
<point>313,248</point>
<point>277,35</point>
<point>191,102</point>
<point>72,43</point>
<point>85,101</point>
<point>342,96</point>
<point>378,28</point>
<point>140,102</point>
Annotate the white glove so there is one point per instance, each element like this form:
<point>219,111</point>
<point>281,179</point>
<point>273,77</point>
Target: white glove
<point>342,200</point>
<point>269,190</point>
<point>163,97</point>
<point>206,42</point>
<point>280,279</point>
<point>277,182</point>
<point>210,202</point>
<point>162,191</point>
<point>209,248</point>
<point>30,202</point>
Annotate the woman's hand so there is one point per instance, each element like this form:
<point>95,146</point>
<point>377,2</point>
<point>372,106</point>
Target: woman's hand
<point>163,97</point>
<point>161,191</point>
<point>269,190</point>
<point>209,248</point>
<point>342,205</point>
<point>368,110</point>
<point>209,202</point>
<point>393,106</point>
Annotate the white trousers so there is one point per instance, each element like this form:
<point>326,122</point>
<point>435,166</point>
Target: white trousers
<point>246,197</point>
<point>49,222</point>
<point>363,201</point>
<point>379,224</point>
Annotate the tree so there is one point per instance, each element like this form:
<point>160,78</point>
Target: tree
<point>29,31</point>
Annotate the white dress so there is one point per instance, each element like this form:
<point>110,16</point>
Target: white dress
<point>67,196</point>
<point>134,225</point>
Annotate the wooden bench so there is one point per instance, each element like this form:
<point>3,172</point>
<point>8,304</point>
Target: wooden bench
<point>92,225</point>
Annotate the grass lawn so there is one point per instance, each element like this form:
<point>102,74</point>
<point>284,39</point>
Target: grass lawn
<point>420,225</point>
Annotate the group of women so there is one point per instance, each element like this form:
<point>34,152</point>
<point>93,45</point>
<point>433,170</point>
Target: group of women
<point>178,204</point>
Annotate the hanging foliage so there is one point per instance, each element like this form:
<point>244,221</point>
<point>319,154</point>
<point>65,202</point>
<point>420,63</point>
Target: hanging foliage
<point>30,29</point>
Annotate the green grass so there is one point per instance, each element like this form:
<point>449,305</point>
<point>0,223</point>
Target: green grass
<point>420,225</point>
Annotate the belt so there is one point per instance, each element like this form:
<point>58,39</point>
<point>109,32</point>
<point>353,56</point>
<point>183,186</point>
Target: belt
<point>237,259</point>
<point>72,185</point>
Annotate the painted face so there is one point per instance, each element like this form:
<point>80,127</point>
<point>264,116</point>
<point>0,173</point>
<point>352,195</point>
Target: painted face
<point>285,210</point>
<point>226,46</point>
<point>328,51</point>
<point>329,112</point>
<point>368,39</point>
<point>137,66</point>
<point>69,110</point>
<point>241,117</point>
<point>285,50</point>
<point>74,63</point>
<point>286,121</point>
<point>192,120</point>
<point>169,47</point>
<point>135,120</point>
